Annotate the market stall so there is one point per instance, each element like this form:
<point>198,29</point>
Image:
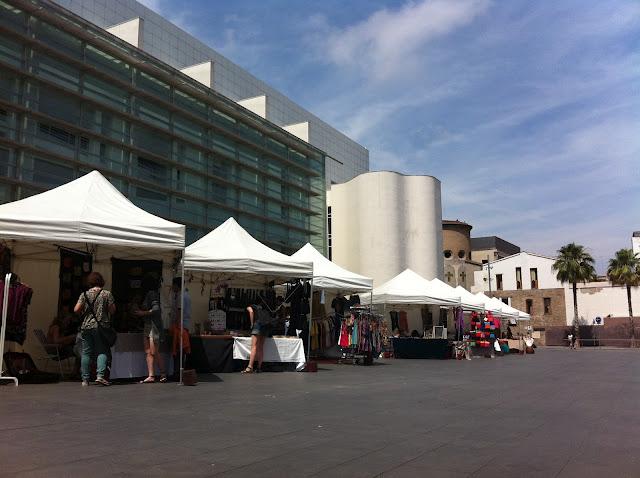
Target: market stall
<point>410,290</point>
<point>332,280</point>
<point>91,218</point>
<point>238,270</point>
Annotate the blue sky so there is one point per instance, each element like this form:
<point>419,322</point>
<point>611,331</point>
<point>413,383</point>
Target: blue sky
<point>528,112</point>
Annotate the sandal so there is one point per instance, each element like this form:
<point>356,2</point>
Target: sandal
<point>148,380</point>
<point>102,381</point>
<point>247,370</point>
<point>163,379</point>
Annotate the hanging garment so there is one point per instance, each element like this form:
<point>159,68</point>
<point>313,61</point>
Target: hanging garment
<point>394,320</point>
<point>18,303</point>
<point>186,342</point>
<point>459,314</point>
<point>403,322</point>
<point>344,335</point>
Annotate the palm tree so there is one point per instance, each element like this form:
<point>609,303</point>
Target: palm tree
<point>574,264</point>
<point>624,269</point>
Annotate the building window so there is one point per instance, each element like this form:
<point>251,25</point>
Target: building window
<point>499,281</point>
<point>485,261</point>
<point>518,278</point>
<point>547,305</point>
<point>529,303</point>
<point>447,254</point>
<point>534,278</point>
<point>461,254</point>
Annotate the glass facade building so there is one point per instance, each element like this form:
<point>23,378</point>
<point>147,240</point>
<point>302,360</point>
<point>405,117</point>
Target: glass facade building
<point>74,98</point>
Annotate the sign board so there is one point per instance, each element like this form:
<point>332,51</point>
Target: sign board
<point>217,320</point>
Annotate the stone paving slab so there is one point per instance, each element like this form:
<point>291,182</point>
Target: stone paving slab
<point>556,413</point>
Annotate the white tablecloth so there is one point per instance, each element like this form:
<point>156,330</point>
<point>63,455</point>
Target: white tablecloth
<point>275,349</point>
<point>134,364</point>
<point>128,359</point>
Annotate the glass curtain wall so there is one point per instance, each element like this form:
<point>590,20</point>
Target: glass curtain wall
<point>70,104</point>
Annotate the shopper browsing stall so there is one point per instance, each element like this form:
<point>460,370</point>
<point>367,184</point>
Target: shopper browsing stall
<point>96,306</point>
<point>151,312</point>
<point>261,324</point>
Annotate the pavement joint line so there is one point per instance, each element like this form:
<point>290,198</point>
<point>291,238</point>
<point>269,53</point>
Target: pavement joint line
<point>435,429</point>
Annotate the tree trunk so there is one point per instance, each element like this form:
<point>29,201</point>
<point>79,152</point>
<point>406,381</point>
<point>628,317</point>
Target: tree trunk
<point>575,306</point>
<point>633,329</point>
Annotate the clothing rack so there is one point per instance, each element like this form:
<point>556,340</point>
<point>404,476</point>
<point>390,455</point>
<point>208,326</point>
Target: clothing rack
<point>360,336</point>
<point>5,307</point>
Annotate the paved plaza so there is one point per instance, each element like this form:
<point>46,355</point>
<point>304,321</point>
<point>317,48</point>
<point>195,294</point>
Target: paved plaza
<point>556,413</point>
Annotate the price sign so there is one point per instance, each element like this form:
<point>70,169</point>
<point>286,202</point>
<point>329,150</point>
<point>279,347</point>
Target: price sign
<point>218,320</point>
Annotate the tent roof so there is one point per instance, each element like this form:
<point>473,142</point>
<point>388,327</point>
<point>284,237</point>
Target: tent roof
<point>515,312</point>
<point>489,304</point>
<point>505,309</point>
<point>444,290</point>
<point>231,250</point>
<point>410,288</point>
<point>469,301</point>
<point>87,210</point>
<point>330,276</point>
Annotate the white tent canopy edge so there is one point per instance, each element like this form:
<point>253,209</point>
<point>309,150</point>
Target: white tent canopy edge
<point>88,210</point>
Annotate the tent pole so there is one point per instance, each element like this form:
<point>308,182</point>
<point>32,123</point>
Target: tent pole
<point>5,307</point>
<point>181,318</point>
<point>309,325</point>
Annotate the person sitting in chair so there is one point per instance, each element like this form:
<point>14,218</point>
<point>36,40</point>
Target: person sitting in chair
<point>63,332</point>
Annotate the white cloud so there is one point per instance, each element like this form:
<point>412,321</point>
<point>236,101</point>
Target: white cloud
<point>388,43</point>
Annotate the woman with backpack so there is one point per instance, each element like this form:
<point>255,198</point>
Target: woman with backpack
<point>96,306</point>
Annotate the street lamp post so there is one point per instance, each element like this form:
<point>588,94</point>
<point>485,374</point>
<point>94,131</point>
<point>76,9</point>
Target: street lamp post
<point>489,272</point>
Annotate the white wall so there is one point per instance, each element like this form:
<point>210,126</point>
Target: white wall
<point>384,222</point>
<point>599,299</point>
<point>202,72</point>
<point>507,267</point>
<point>131,31</point>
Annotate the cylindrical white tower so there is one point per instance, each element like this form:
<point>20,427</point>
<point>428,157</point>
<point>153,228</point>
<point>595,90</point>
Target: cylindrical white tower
<point>384,222</point>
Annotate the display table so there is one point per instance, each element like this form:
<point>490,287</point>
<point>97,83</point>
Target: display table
<point>515,344</point>
<point>275,350</point>
<point>212,353</point>
<point>128,359</point>
<point>418,348</point>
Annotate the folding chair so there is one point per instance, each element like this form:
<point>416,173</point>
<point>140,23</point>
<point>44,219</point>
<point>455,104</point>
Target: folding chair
<point>52,351</point>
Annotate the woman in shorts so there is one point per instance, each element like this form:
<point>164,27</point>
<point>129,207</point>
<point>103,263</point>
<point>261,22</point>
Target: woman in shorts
<point>260,330</point>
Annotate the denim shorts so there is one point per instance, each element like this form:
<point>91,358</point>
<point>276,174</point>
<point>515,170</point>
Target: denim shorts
<point>261,329</point>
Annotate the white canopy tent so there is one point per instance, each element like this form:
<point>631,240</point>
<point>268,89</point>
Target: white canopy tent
<point>410,288</point>
<point>489,305</point>
<point>330,276</point>
<point>234,254</point>
<point>504,309</point>
<point>470,301</point>
<point>89,211</point>
<point>445,291</point>
<point>515,313</point>
<point>236,257</point>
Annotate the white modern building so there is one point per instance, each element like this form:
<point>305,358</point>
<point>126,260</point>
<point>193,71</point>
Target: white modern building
<point>149,31</point>
<point>635,242</point>
<point>383,222</point>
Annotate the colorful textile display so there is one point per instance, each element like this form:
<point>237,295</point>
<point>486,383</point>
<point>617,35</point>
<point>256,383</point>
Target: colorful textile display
<point>19,300</point>
<point>361,331</point>
<point>322,334</point>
